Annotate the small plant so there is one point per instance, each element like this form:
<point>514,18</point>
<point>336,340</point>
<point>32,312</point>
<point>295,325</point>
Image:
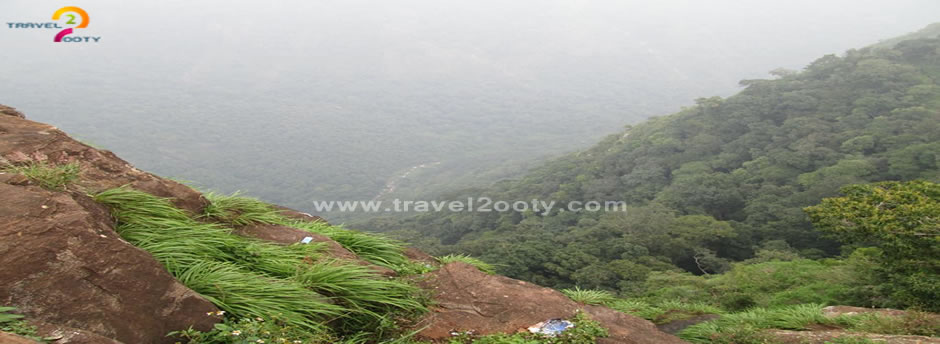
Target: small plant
<point>911,323</point>
<point>589,297</point>
<point>414,268</point>
<point>14,323</point>
<point>479,264</point>
<point>250,331</point>
<point>48,176</point>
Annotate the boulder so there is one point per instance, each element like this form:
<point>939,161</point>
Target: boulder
<point>62,263</point>
<point>466,299</point>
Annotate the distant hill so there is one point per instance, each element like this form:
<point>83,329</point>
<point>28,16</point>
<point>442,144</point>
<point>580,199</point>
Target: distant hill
<point>715,182</point>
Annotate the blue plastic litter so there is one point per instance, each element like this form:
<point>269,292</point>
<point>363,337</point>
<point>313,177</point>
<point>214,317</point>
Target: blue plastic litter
<point>551,327</point>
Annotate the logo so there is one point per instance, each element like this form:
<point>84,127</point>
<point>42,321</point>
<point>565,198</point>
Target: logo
<point>68,19</point>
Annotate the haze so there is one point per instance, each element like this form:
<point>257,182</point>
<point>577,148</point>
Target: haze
<point>306,100</point>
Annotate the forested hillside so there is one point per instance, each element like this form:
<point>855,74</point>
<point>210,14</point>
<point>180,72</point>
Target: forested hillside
<point>723,181</point>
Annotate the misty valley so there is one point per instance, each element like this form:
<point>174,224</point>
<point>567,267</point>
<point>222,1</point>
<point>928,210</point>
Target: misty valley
<point>428,172</point>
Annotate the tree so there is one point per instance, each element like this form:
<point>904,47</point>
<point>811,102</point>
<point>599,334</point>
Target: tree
<point>903,220</point>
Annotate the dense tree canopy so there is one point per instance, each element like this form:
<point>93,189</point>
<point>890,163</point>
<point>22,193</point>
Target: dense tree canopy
<point>722,181</point>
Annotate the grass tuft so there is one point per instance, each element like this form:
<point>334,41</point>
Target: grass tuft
<point>479,264</point>
<point>588,296</point>
<point>250,278</point>
<point>374,248</point>
<point>14,323</point>
<point>48,176</point>
<point>239,210</point>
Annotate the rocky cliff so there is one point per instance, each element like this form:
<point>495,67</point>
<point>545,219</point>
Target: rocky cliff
<point>64,265</point>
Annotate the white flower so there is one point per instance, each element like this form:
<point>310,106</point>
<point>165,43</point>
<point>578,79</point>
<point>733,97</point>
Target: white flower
<point>220,313</point>
<point>259,341</point>
<point>259,319</point>
<point>236,332</point>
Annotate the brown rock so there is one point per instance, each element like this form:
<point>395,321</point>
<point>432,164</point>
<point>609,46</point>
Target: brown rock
<point>23,140</point>
<point>67,335</point>
<point>298,215</point>
<point>834,311</point>
<point>9,111</point>
<point>469,300</point>
<point>9,338</point>
<point>419,256</point>
<point>62,263</point>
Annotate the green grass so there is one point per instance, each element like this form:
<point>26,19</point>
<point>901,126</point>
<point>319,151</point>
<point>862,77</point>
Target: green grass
<point>479,264</point>
<point>48,176</point>
<point>374,248</point>
<point>746,327</point>
<point>239,210</point>
<point>663,312</point>
<point>589,297</point>
<point>911,323</point>
<point>14,323</point>
<point>248,278</point>
<point>243,293</point>
<point>767,284</point>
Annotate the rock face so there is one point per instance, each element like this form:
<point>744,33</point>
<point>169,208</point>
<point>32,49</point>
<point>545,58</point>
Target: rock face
<point>63,265</point>
<point>65,268</point>
<point>23,140</point>
<point>468,299</point>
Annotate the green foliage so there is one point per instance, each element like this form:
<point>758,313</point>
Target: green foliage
<point>584,331</point>
<point>912,322</point>
<point>247,294</point>
<point>14,323</point>
<point>48,175</point>
<point>663,312</point>
<point>375,248</point>
<point>901,220</point>
<point>479,264</point>
<point>711,184</point>
<point>588,297</point>
<point>745,327</point>
<point>765,284</point>
<point>248,278</point>
<point>239,210</point>
<point>6,318</point>
<point>251,331</point>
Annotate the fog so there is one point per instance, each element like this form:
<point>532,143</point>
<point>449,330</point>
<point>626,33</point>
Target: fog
<point>303,100</point>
